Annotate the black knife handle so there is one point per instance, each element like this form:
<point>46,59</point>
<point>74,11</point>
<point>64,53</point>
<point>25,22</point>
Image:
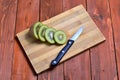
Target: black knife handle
<point>62,53</point>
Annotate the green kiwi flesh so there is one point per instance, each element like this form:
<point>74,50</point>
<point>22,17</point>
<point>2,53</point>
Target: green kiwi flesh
<point>60,37</point>
<point>44,33</point>
<point>41,33</point>
<point>49,35</point>
<point>34,29</point>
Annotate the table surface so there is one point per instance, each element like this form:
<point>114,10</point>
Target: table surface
<point>101,62</point>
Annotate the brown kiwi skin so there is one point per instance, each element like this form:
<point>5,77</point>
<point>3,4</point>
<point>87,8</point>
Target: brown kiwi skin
<point>34,33</point>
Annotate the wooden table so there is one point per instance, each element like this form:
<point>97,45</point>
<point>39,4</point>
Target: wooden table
<point>101,62</point>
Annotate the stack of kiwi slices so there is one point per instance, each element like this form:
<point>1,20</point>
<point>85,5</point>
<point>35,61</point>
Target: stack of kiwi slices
<point>46,34</point>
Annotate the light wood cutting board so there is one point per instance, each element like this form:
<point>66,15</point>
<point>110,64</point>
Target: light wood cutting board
<point>41,54</point>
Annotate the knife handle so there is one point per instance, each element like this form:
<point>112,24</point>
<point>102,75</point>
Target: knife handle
<point>62,53</point>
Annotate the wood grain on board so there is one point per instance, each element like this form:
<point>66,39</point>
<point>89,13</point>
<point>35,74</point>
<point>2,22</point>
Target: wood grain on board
<point>41,54</point>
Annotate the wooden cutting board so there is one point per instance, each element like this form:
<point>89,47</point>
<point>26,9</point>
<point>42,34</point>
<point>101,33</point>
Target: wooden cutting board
<point>41,54</point>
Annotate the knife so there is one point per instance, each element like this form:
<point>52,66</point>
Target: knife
<point>67,46</point>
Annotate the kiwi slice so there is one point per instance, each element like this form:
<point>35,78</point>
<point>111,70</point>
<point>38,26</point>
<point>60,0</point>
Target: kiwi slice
<point>60,37</point>
<point>41,33</point>
<point>34,29</point>
<point>49,35</point>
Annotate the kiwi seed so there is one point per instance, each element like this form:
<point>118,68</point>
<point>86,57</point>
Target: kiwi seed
<point>49,35</point>
<point>60,37</point>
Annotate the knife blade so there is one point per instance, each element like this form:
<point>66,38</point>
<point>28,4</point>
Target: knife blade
<point>67,46</point>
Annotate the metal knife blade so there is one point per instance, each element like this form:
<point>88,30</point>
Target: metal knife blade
<point>77,34</point>
<point>67,46</point>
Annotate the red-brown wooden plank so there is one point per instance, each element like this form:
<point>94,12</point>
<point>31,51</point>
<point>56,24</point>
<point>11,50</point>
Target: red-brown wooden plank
<point>6,58</point>
<point>7,27</point>
<point>44,9</point>
<point>77,68</point>
<point>102,56</point>
<point>50,8</point>
<point>7,19</point>
<point>27,14</point>
<point>115,15</point>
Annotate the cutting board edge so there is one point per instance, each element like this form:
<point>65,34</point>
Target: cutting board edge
<point>17,35</point>
<point>102,40</point>
<point>52,17</point>
<point>38,72</point>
